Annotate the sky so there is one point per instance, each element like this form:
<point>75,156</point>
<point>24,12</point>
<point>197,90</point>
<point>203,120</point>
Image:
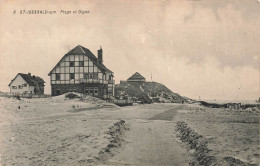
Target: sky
<point>206,48</point>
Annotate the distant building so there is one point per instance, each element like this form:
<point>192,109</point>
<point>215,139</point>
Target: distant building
<point>235,106</point>
<point>26,83</point>
<point>81,71</point>
<point>137,77</point>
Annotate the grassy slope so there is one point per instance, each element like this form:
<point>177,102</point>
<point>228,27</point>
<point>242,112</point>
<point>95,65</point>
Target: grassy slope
<point>156,91</point>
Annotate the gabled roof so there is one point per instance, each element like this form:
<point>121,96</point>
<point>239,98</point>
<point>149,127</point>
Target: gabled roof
<point>105,68</point>
<point>136,76</point>
<point>80,50</point>
<point>77,50</point>
<point>30,80</point>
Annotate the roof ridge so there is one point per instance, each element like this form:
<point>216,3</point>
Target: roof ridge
<point>136,75</point>
<point>29,79</point>
<point>81,47</point>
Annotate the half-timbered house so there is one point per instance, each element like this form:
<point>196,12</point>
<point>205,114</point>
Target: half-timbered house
<point>81,71</point>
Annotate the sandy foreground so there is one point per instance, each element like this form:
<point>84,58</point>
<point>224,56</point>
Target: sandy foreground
<point>59,131</point>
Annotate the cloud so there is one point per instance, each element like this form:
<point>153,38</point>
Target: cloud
<point>206,48</point>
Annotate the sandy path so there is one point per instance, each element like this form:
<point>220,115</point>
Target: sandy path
<point>167,115</point>
<point>152,142</point>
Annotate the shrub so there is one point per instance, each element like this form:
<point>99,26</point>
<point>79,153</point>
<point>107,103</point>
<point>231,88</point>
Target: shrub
<point>17,97</point>
<point>156,99</point>
<point>144,98</point>
<point>71,96</point>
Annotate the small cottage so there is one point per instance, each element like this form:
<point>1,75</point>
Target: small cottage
<point>26,83</point>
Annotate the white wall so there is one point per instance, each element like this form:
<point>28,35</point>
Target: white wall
<point>20,81</point>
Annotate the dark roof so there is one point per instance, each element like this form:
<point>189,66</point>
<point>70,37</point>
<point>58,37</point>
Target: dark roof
<point>105,68</point>
<point>30,80</point>
<point>80,50</point>
<point>136,76</point>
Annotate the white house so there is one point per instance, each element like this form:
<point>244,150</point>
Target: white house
<point>26,83</point>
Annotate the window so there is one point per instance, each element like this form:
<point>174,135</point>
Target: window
<point>88,76</point>
<point>58,76</point>
<point>81,63</point>
<point>91,91</point>
<point>95,76</point>
<point>24,85</point>
<point>14,87</point>
<point>86,91</point>
<point>72,64</point>
<point>72,76</point>
<point>96,91</point>
<point>72,89</point>
<point>110,77</point>
<point>20,86</point>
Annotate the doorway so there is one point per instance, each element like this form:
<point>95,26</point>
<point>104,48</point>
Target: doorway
<point>57,92</point>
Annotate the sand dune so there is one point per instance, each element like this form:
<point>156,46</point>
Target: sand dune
<point>90,131</point>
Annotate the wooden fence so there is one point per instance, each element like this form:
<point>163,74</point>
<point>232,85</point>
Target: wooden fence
<point>25,95</point>
<point>122,102</point>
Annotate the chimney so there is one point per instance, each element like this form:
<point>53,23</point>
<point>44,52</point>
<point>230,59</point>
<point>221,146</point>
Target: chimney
<point>100,54</point>
<point>29,74</point>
